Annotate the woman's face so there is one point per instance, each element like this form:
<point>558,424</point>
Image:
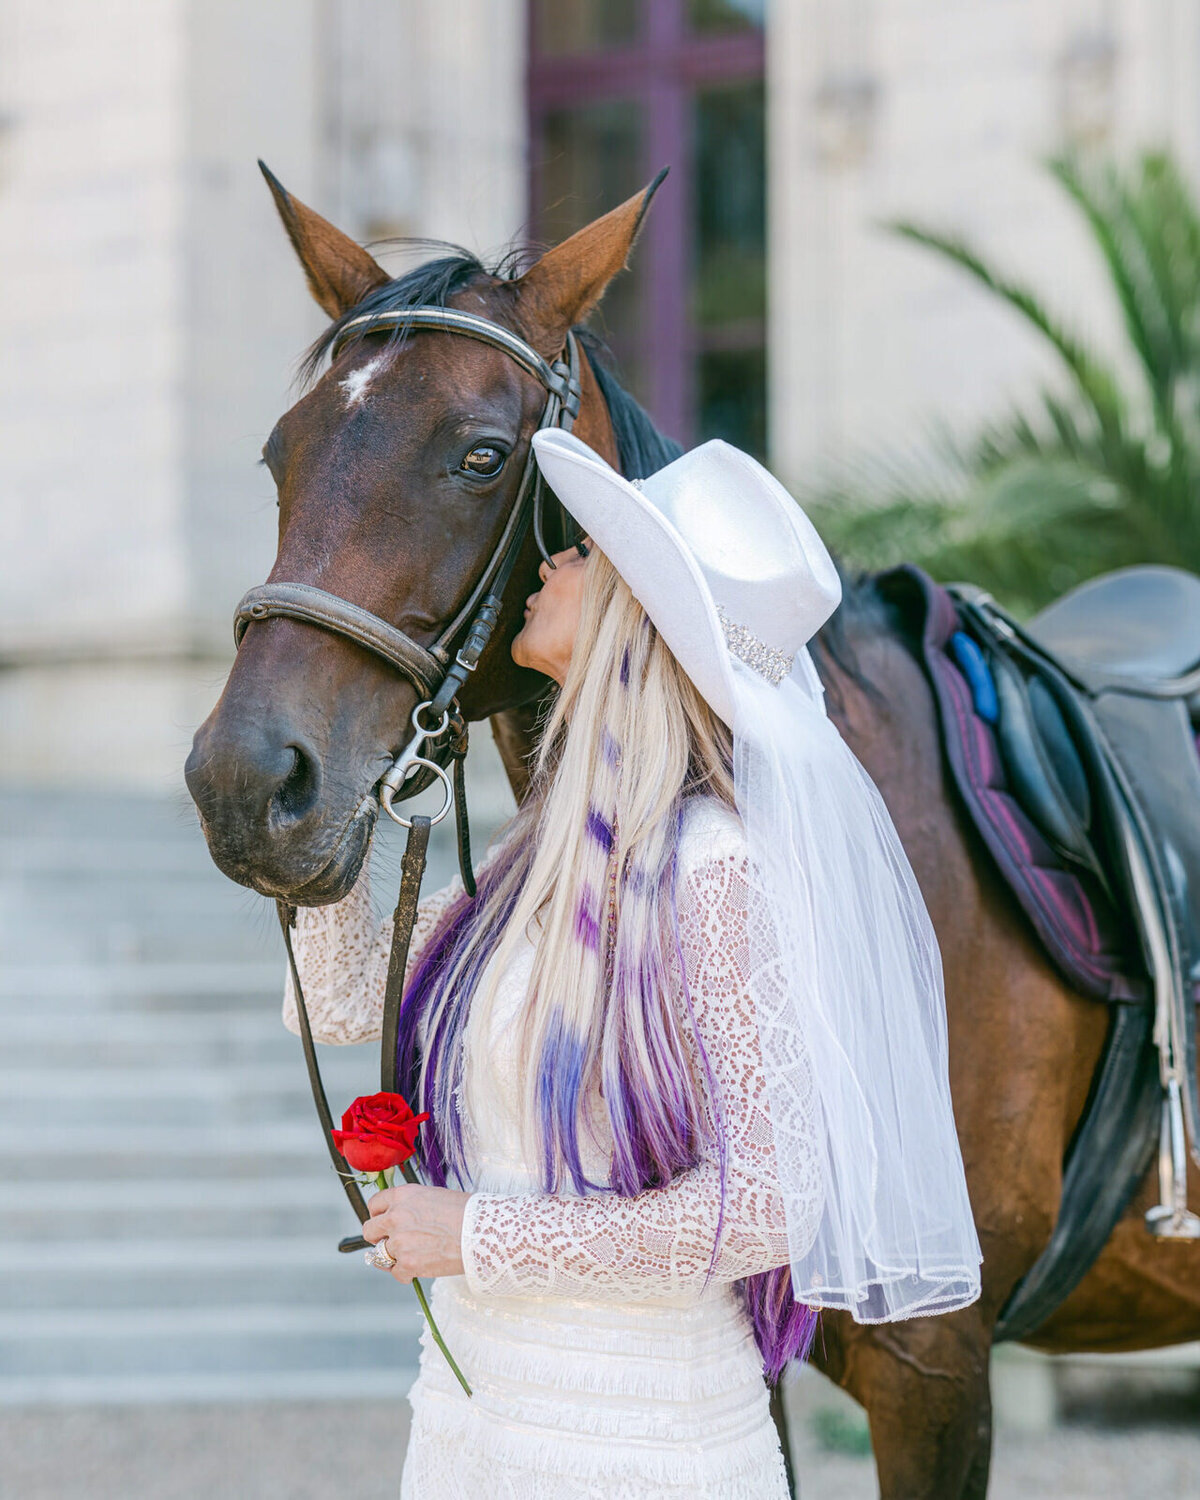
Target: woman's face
<point>547,638</point>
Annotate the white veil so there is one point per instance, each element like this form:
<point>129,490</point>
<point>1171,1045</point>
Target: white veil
<point>851,1016</point>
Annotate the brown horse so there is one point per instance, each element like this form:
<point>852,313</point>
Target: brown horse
<point>395,474</point>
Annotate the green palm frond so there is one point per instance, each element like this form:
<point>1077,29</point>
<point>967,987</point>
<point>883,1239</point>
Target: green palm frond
<point>1096,384</point>
<point>1096,475</point>
<point>1106,206</point>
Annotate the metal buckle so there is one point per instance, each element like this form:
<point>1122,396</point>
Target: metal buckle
<point>408,761</point>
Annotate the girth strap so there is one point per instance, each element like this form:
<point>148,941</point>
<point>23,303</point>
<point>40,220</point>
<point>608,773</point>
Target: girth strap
<point>424,668</point>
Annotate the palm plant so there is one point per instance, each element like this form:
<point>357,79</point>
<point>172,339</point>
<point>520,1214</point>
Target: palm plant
<point>1099,474</point>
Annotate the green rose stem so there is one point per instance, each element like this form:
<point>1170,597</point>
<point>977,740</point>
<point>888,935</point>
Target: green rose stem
<point>383,1180</point>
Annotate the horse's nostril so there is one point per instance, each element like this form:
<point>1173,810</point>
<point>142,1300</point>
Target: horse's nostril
<point>297,792</point>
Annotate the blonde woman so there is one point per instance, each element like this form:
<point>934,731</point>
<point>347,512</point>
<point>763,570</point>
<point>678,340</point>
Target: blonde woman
<point>672,1048</point>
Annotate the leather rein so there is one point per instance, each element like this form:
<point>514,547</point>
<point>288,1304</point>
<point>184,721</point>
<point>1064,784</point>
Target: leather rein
<point>436,671</point>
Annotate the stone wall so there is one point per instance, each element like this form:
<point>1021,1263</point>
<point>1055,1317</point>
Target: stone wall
<point>940,110</point>
<point>91,214</point>
<point>152,313</point>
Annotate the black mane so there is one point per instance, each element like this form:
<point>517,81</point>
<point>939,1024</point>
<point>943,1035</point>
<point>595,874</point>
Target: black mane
<point>430,284</point>
<point>641,447</point>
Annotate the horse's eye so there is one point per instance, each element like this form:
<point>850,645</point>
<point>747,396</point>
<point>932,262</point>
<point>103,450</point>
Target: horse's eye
<point>486,461</point>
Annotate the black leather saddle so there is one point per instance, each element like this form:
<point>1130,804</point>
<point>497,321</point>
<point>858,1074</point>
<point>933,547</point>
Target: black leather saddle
<point>1139,627</point>
<point>1131,641</point>
<point>1097,702</point>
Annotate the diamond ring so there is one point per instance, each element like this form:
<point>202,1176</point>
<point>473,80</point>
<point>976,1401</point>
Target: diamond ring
<point>378,1256</point>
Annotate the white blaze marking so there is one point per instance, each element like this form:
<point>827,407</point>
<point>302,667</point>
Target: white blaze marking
<point>358,382</point>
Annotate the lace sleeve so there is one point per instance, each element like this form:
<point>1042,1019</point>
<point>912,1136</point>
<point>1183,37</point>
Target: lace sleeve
<point>342,953</point>
<point>660,1244</point>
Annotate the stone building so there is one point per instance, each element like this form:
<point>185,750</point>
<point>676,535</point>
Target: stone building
<point>151,314</point>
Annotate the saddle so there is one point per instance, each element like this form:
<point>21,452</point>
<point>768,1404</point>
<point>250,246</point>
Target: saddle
<point>1073,740</point>
<point>1131,643</point>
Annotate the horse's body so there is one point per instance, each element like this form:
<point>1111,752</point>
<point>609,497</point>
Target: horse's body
<point>372,509</point>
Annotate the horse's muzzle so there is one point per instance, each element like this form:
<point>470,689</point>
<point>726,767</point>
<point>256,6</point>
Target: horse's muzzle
<point>271,819</point>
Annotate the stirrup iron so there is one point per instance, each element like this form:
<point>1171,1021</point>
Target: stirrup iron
<point>1171,1219</point>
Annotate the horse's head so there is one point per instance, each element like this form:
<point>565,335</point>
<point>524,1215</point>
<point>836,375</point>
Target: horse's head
<point>396,474</point>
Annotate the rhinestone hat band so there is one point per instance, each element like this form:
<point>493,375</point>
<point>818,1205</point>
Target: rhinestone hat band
<point>758,656</point>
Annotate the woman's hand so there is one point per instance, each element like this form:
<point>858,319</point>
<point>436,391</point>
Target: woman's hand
<point>423,1229</point>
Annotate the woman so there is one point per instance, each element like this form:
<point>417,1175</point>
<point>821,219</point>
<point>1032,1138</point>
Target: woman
<point>684,1054</point>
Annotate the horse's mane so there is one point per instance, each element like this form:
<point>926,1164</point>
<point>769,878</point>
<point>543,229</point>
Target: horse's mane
<point>431,284</point>
<point>641,447</point>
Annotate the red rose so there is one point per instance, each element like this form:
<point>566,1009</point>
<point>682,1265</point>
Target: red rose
<point>378,1131</point>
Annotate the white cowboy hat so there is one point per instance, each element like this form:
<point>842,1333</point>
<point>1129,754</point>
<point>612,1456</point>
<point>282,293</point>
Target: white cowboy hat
<point>715,550</point>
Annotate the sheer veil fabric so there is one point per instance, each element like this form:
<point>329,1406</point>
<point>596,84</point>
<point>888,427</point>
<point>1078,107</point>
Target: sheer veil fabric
<point>847,985</point>
<point>847,989</point>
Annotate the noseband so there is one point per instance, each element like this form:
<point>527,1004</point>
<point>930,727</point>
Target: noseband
<point>437,671</point>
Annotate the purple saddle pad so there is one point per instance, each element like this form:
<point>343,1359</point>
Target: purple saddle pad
<point>1089,941</point>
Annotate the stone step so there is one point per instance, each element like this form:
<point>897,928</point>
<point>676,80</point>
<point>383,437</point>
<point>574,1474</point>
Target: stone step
<point>146,1080</point>
<point>144,1099</point>
<point>158,903</point>
<point>27,935</point>
<point>191,986</point>
<point>293,1270</point>
<point>66,816</point>
<point>107,1389</point>
<point>166,887</point>
<point>181,853</point>
<point>53,1153</point>
<point>91,1039</point>
<point>216,1340</point>
<point>223,1208</point>
<point>128,943</point>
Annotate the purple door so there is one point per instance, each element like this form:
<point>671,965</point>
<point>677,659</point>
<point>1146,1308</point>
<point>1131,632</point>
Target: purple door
<point>618,89</point>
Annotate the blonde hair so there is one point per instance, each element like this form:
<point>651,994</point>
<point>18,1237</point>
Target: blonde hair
<point>587,867</point>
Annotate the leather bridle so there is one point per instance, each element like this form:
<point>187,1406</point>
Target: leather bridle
<point>437,672</point>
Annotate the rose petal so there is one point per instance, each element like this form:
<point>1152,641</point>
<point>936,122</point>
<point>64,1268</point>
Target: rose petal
<point>378,1131</point>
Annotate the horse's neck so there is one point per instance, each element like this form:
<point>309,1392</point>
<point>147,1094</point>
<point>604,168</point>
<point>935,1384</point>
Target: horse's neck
<point>515,732</point>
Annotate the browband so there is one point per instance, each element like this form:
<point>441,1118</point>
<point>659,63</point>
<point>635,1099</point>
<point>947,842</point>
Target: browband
<point>450,320</point>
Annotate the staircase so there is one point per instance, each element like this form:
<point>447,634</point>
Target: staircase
<point>168,1217</point>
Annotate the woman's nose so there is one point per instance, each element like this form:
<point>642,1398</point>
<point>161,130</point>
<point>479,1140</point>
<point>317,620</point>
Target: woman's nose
<point>543,570</point>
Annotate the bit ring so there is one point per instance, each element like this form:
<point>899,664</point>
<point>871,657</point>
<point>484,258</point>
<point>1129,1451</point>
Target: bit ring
<point>386,793</point>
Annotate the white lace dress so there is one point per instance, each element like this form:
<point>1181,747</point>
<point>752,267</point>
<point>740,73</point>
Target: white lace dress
<point>609,1356</point>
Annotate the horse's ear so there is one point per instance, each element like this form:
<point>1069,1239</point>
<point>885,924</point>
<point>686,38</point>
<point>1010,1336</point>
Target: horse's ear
<point>563,287</point>
<point>340,273</point>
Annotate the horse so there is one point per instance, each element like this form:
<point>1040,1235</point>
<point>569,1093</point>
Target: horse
<point>395,474</point>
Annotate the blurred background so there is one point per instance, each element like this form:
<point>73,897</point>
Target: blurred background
<point>936,261</point>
